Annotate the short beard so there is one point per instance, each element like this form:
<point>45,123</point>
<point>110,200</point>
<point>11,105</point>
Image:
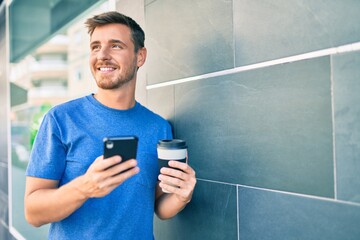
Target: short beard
<point>120,81</point>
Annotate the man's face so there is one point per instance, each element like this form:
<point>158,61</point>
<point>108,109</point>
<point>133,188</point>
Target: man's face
<point>113,61</point>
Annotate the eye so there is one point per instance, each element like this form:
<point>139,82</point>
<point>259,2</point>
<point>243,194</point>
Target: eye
<point>95,47</point>
<point>118,46</point>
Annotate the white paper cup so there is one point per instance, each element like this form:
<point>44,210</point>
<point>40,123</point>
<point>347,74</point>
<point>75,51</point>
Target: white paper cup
<point>168,150</point>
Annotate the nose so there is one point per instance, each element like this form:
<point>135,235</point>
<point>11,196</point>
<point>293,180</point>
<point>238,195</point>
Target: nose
<point>103,54</point>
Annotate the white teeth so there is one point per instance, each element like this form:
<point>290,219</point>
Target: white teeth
<point>106,69</point>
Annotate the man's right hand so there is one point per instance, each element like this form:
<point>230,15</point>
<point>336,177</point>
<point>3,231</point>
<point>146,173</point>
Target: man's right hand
<point>46,202</point>
<point>104,175</point>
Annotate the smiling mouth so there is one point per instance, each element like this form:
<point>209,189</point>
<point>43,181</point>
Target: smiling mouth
<point>106,69</point>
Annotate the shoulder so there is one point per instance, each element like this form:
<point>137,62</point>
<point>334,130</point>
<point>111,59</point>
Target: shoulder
<point>74,103</point>
<point>70,106</point>
<point>154,117</point>
<point>155,125</point>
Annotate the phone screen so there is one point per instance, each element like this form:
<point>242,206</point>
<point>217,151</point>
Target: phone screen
<point>126,147</point>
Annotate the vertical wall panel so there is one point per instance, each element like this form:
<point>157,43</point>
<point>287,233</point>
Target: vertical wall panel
<point>187,38</point>
<point>269,215</point>
<point>266,30</point>
<point>161,100</point>
<point>269,127</point>
<point>346,74</point>
<point>211,215</point>
<point>135,9</point>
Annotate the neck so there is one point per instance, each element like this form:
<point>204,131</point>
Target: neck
<point>121,100</point>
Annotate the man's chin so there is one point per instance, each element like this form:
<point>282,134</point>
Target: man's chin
<point>107,87</point>
<point>111,85</point>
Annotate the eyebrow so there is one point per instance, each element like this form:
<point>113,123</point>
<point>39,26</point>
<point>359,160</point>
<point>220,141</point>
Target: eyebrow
<point>116,41</point>
<point>110,41</point>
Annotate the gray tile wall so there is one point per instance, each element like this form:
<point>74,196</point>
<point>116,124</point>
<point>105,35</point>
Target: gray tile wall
<point>267,29</point>
<point>183,35</point>
<point>346,74</point>
<point>275,146</point>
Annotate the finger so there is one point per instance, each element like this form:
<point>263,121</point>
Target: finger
<point>181,192</point>
<point>105,181</point>
<point>171,180</point>
<point>121,167</point>
<point>108,162</point>
<point>182,166</point>
<point>165,187</point>
<point>174,173</point>
<point>123,176</point>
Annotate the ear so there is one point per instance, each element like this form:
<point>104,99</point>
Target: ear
<point>141,57</point>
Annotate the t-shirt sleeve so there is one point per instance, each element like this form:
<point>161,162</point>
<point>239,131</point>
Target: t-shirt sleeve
<point>48,155</point>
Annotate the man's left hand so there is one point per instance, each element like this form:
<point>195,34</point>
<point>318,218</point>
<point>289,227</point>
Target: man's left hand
<point>180,181</point>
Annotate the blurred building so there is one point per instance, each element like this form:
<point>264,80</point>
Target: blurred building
<point>44,73</point>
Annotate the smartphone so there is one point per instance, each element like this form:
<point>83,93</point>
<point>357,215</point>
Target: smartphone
<point>125,146</point>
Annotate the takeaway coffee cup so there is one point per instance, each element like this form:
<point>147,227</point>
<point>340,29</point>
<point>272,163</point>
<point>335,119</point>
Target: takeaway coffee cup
<point>174,149</point>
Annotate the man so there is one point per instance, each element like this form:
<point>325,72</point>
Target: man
<point>70,185</point>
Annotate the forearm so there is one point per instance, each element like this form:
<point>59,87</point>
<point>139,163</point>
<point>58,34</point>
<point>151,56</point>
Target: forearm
<point>168,205</point>
<point>44,206</point>
<point>45,202</point>
<point>179,184</point>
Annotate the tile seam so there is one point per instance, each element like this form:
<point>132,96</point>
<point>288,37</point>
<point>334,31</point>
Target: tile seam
<point>233,34</point>
<point>305,56</point>
<point>284,192</point>
<point>4,224</point>
<point>237,212</point>
<point>333,125</point>
<point>15,233</point>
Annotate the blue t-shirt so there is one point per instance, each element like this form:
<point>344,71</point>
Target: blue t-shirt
<point>71,138</point>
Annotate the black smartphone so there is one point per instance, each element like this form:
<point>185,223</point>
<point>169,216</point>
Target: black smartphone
<point>125,146</point>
